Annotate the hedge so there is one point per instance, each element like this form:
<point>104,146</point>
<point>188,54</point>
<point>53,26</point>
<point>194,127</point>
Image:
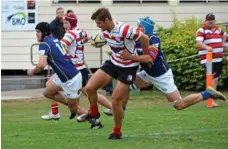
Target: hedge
<point>178,41</point>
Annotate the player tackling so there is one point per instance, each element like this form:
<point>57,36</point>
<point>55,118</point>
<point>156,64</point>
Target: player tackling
<point>158,73</point>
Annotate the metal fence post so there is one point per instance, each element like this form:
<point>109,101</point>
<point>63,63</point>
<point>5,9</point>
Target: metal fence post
<point>31,57</point>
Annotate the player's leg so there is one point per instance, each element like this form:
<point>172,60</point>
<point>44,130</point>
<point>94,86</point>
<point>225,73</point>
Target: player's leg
<point>139,83</point>
<point>109,112</point>
<point>51,89</point>
<point>182,103</point>
<point>52,85</point>
<point>98,80</point>
<point>141,80</point>
<point>51,79</point>
<point>74,106</point>
<point>72,92</point>
<point>120,94</point>
<point>166,84</point>
<point>217,71</point>
<point>54,104</point>
<point>102,100</point>
<point>52,92</point>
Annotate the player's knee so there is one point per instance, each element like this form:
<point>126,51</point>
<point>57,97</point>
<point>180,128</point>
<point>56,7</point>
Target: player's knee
<point>80,110</point>
<point>116,100</point>
<point>48,94</point>
<point>116,103</point>
<point>115,96</point>
<point>46,84</point>
<point>90,89</point>
<point>179,106</point>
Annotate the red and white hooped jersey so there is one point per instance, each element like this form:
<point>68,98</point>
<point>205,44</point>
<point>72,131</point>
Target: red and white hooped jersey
<point>212,38</point>
<point>121,38</point>
<point>73,41</point>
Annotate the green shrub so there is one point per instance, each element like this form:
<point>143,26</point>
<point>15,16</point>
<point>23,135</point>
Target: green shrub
<point>178,41</point>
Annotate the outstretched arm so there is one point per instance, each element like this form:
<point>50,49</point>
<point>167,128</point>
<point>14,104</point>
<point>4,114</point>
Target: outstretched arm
<point>146,58</point>
<point>149,54</point>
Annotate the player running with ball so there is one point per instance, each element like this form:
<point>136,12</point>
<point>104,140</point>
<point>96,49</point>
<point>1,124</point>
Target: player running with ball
<point>119,37</point>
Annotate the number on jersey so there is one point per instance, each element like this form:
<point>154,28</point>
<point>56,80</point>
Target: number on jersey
<point>61,49</point>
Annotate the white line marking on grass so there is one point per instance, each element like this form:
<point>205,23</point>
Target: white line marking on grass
<point>184,131</point>
<point>155,135</point>
<point>145,136</point>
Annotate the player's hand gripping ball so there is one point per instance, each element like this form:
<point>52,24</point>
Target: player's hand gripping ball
<point>97,41</point>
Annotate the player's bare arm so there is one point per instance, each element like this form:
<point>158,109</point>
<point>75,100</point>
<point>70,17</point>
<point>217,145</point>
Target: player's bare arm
<point>145,58</point>
<point>140,58</point>
<point>144,40</point>
<point>39,67</point>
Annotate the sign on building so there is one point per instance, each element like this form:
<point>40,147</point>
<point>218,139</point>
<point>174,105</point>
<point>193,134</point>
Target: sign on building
<point>19,15</point>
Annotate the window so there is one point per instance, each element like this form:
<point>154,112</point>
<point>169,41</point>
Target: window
<point>137,1</point>
<point>65,1</point>
<point>89,1</point>
<point>140,1</point>
<point>77,1</point>
<point>202,1</point>
<point>154,1</point>
<point>193,1</point>
<point>218,0</point>
<point>125,1</point>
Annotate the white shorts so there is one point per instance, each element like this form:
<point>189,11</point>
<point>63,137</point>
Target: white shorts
<point>71,87</point>
<point>164,83</point>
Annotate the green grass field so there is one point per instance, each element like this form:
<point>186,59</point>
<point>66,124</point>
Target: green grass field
<point>150,123</point>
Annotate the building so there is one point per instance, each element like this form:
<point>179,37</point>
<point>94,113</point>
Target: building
<point>15,48</point>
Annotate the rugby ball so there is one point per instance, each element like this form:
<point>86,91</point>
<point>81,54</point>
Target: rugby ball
<point>97,41</point>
